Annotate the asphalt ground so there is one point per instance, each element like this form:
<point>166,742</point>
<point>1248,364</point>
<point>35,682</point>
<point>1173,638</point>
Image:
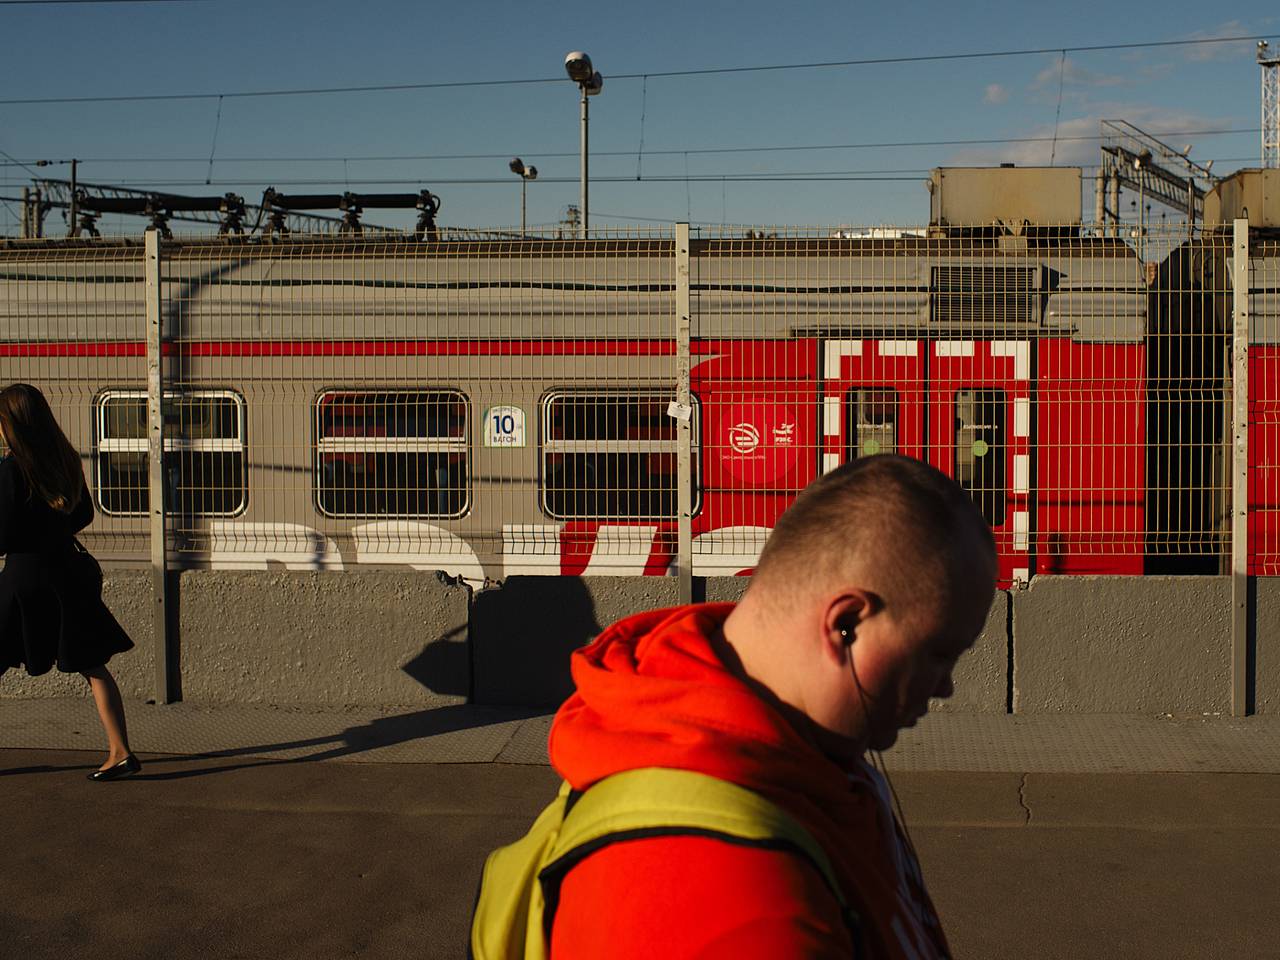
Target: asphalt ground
<point>281,847</point>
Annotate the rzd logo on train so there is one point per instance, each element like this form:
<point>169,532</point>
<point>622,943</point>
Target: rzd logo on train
<point>744,437</point>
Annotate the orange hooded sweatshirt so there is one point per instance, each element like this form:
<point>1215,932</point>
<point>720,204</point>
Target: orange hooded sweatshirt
<point>652,692</point>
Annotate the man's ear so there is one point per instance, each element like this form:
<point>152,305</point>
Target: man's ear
<point>844,614</point>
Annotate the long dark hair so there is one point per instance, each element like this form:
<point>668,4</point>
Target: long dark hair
<point>48,461</point>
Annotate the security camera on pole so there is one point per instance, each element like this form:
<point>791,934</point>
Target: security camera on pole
<point>578,65</point>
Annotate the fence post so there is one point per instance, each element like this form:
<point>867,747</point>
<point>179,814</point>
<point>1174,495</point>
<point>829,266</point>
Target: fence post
<point>164,686</point>
<point>683,410</point>
<point>1240,469</point>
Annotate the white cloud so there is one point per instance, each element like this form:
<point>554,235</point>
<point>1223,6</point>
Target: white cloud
<point>995,93</point>
<point>1223,51</point>
<point>1068,72</point>
<point>1078,142</point>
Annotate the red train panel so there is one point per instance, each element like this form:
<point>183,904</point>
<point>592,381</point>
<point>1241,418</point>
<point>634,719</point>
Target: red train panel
<point>1264,460</point>
<point>1090,462</point>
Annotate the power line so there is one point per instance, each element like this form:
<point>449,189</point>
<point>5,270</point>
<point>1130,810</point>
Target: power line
<point>18,163</point>
<point>551,154</point>
<point>44,3</point>
<point>707,71</point>
<point>163,185</point>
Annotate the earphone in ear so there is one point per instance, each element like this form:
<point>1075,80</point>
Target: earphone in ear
<point>846,637</point>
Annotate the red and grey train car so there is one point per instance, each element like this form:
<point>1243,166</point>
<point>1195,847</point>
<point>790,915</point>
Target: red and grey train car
<point>502,408</point>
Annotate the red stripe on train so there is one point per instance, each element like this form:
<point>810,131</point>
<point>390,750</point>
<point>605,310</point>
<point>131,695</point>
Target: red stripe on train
<point>354,348</point>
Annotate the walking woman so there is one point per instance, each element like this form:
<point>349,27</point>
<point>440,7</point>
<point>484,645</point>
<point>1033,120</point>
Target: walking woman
<point>51,609</point>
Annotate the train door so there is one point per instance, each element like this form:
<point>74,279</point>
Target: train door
<point>873,399</point>
<point>980,433</point>
<point>963,406</point>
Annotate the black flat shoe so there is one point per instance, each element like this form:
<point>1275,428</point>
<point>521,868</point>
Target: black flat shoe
<point>125,768</point>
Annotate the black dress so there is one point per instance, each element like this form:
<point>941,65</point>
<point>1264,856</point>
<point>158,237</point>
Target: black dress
<point>51,609</point>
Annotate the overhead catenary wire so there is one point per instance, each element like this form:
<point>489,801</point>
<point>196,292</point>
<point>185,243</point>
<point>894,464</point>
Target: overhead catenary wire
<point>50,3</point>
<point>1057,113</point>
<point>455,181</point>
<point>615,77</point>
<point>552,154</point>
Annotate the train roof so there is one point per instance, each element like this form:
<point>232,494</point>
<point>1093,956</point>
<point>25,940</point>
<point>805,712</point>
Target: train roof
<point>1092,289</point>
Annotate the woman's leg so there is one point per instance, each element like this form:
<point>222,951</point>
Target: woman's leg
<point>111,712</point>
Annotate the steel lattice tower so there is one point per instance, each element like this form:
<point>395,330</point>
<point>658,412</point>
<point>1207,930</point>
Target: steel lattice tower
<point>1270,63</point>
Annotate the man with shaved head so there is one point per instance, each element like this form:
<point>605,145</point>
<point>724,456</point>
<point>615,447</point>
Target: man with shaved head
<point>870,587</point>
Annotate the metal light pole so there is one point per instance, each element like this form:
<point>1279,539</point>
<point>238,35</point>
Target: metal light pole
<point>1139,163</point>
<point>525,174</point>
<point>578,65</point>
<point>583,162</point>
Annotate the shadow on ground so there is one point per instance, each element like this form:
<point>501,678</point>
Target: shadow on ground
<point>378,733</point>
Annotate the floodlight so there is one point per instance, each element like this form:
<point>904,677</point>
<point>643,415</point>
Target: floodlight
<point>578,65</point>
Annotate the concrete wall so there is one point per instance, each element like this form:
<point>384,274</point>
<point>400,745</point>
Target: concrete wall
<point>524,631</point>
<point>1122,645</point>
<point>127,594</point>
<point>377,638</point>
<point>1267,645</point>
<point>981,676</point>
<point>394,638</point>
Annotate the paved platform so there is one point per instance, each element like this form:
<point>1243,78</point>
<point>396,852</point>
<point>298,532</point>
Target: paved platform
<point>256,832</point>
<point>944,741</point>
<point>255,857</point>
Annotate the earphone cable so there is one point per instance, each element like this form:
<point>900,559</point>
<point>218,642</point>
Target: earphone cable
<point>895,812</point>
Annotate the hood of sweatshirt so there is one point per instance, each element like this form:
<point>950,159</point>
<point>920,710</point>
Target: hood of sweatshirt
<point>653,692</point>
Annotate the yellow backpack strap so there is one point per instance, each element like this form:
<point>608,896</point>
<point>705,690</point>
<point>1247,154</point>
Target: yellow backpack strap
<point>657,802</point>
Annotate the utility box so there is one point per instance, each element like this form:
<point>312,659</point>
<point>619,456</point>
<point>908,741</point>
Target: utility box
<point>1009,196</point>
<point>1255,193</point>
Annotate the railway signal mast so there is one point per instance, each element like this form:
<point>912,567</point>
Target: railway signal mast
<point>1269,61</point>
<point>1154,170</point>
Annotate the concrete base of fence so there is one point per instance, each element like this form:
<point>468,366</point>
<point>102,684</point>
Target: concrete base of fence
<point>396,638</point>
<point>376,638</point>
<point>981,676</point>
<point>1267,645</point>
<point>523,632</point>
<point>127,593</point>
<point>1122,645</point>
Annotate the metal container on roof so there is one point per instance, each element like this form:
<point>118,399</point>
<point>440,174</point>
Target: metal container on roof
<point>1255,191</point>
<point>1007,196</point>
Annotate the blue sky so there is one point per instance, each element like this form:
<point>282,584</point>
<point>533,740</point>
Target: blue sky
<point>225,46</point>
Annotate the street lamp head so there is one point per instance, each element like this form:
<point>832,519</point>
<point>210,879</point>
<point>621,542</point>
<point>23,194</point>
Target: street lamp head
<point>594,85</point>
<point>530,173</point>
<point>517,166</point>
<point>578,65</point>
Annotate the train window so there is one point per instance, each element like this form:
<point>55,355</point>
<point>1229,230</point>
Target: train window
<point>609,456</point>
<point>394,453</point>
<point>871,422</point>
<point>204,454</point>
<point>980,450</point>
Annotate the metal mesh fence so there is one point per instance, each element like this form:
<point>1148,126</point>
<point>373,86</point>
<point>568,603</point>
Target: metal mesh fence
<point>480,407</point>
<point>71,324</point>
<point>492,407</point>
